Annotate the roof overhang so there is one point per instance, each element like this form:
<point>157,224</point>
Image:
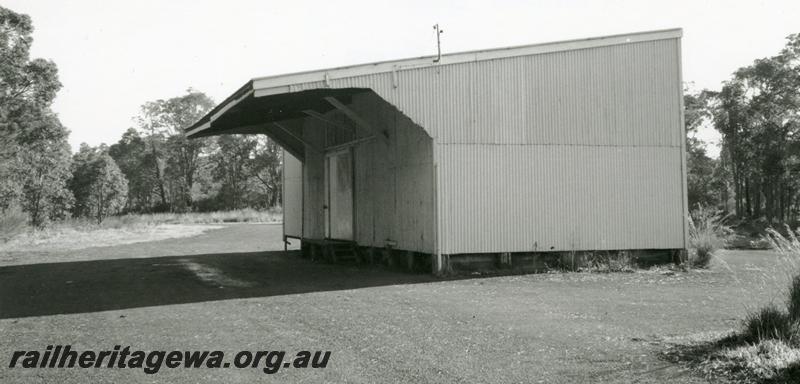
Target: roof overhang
<point>243,109</point>
<point>243,113</point>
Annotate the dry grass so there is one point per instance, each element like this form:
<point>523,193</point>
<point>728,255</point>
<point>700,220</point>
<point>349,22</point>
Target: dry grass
<point>246,215</point>
<point>116,230</point>
<point>766,360</point>
<point>767,349</point>
<point>12,222</point>
<point>734,359</point>
<point>788,246</point>
<point>66,238</point>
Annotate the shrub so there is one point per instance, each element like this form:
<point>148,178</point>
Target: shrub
<point>610,262</point>
<point>707,234</point>
<point>769,323</point>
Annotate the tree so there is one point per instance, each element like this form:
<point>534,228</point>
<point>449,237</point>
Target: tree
<point>695,108</point>
<point>34,155</point>
<point>702,187</point>
<point>758,114</point>
<point>109,189</point>
<point>167,171</point>
<point>24,83</point>
<point>82,178</point>
<point>136,163</point>
<point>149,128</point>
<point>265,167</point>
<point>699,175</point>
<point>98,184</point>
<point>42,169</point>
<point>163,122</point>
<point>231,162</point>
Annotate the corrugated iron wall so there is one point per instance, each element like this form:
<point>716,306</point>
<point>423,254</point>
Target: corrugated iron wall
<point>394,196</point>
<point>314,214</point>
<point>571,150</point>
<point>394,185</point>
<point>595,96</point>
<point>515,198</point>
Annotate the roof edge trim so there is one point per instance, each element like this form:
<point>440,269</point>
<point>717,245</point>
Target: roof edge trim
<point>194,129</point>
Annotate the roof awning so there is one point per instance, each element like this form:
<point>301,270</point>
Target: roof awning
<point>243,113</point>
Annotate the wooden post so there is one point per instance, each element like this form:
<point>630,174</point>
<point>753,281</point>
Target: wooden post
<point>387,257</point>
<point>505,259</point>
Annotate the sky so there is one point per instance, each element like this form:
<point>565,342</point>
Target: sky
<point>113,56</point>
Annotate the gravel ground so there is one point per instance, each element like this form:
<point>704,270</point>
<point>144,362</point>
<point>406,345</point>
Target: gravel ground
<point>234,289</point>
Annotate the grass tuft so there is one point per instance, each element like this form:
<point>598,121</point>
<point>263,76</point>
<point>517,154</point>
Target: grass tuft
<point>788,246</point>
<point>707,234</point>
<point>770,323</point>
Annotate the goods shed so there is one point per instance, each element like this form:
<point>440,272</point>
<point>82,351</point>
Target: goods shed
<point>513,154</point>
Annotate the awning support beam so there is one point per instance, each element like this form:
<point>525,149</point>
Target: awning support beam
<point>324,119</point>
<point>361,123</point>
<point>349,143</point>
<point>289,132</point>
<point>288,141</point>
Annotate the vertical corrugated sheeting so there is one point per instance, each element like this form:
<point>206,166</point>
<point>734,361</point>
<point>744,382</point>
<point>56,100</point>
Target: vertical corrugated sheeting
<point>292,196</point>
<point>394,181</point>
<point>393,192</point>
<point>515,198</point>
<point>614,95</point>
<point>570,150</point>
<point>313,183</point>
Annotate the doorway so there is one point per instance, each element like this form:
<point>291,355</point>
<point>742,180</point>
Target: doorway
<point>339,194</point>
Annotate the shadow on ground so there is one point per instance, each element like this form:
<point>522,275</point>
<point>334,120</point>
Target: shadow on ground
<point>89,286</point>
<point>700,357</point>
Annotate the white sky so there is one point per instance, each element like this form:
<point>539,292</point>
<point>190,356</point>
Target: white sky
<point>114,55</point>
